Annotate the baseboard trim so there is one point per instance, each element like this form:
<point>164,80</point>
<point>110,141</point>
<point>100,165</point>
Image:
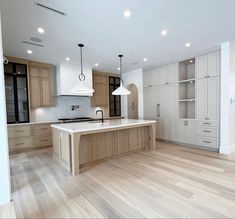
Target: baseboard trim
<point>227,149</point>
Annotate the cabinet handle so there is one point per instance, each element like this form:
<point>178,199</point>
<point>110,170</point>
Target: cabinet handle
<point>206,123</point>
<point>19,144</point>
<point>44,140</point>
<point>19,131</point>
<point>150,85</point>
<point>207,141</point>
<point>206,131</point>
<point>43,128</point>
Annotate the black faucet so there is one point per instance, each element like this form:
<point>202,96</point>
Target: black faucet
<point>102,119</point>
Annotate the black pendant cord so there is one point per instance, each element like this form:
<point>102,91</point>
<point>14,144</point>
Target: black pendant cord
<point>81,76</point>
<point>121,80</point>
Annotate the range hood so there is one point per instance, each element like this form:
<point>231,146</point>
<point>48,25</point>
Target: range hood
<point>67,77</point>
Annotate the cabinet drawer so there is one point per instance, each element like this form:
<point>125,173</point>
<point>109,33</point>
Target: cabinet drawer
<point>20,143</point>
<point>208,123</point>
<point>42,129</point>
<point>19,131</point>
<point>208,131</point>
<point>208,142</point>
<point>40,141</point>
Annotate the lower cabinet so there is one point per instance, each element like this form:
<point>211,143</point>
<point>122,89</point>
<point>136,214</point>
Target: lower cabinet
<point>208,134</point>
<point>22,137</point>
<point>187,131</point>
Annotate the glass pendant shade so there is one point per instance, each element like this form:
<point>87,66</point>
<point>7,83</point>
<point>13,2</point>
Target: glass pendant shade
<point>121,90</point>
<point>82,88</point>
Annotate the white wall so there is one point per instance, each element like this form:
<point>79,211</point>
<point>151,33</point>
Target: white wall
<point>5,191</point>
<point>227,110</point>
<point>134,77</point>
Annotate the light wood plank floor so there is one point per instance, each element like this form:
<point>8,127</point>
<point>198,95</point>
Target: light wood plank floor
<point>172,182</point>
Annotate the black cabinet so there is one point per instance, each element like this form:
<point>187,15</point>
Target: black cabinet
<point>16,90</point>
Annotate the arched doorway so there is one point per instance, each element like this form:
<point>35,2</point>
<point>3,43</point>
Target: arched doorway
<point>132,102</point>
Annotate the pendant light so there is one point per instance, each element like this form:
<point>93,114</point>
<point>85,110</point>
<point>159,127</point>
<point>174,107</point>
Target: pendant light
<point>82,88</point>
<point>121,90</point>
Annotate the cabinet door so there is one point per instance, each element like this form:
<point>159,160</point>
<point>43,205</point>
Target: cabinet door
<point>172,73</point>
<point>182,130</point>
<point>214,64</point>
<point>46,93</point>
<point>201,67</point>
<point>46,86</point>
<point>100,85</point>
<point>163,72</point>
<point>191,132</point>
<point>201,99</point>
<point>35,92</point>
<point>213,98</point>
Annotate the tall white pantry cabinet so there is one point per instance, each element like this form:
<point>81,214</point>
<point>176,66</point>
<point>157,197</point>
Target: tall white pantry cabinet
<point>184,99</point>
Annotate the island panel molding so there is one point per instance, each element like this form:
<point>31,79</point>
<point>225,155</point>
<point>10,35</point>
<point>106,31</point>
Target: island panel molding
<point>87,147</point>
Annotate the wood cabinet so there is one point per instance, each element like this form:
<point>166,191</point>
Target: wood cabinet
<point>100,85</point>
<point>22,137</point>
<point>208,65</point>
<point>41,84</point>
<point>207,92</point>
<point>187,131</point>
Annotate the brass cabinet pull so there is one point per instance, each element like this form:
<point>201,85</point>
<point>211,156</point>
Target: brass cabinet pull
<point>20,144</point>
<point>19,130</point>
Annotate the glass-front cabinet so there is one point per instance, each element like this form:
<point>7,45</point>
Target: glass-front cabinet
<point>114,101</point>
<point>16,90</point>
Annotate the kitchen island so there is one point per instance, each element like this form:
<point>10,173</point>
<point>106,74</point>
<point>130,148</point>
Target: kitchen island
<point>80,144</point>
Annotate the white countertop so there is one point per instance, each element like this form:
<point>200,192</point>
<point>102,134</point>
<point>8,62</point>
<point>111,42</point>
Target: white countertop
<point>98,125</point>
<point>34,123</point>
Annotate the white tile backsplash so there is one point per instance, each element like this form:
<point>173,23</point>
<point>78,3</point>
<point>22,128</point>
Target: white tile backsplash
<point>62,108</point>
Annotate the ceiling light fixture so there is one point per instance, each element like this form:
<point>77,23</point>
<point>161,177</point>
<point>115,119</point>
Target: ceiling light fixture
<point>41,30</point>
<point>82,88</point>
<point>127,13</point>
<point>145,59</point>
<point>96,64</point>
<point>118,68</point>
<point>191,61</point>
<point>29,51</point>
<point>121,90</point>
<point>67,59</point>
<point>187,44</point>
<point>164,32</point>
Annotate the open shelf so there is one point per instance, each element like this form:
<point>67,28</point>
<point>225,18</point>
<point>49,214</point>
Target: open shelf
<point>187,89</point>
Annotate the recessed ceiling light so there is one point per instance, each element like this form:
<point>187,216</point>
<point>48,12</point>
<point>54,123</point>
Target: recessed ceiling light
<point>164,32</point>
<point>67,59</point>
<point>187,44</point>
<point>127,13</point>
<point>40,30</point>
<point>96,64</point>
<point>29,51</point>
<point>118,69</point>
<point>191,61</point>
<point>145,59</point>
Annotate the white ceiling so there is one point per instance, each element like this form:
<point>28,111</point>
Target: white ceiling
<point>101,26</point>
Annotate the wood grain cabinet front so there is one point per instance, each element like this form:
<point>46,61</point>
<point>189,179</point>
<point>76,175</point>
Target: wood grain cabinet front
<point>19,131</point>
<point>20,144</point>
<point>41,84</point>
<point>42,129</point>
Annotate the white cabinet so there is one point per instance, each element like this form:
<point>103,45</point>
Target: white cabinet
<point>201,96</point>
<point>187,131</point>
<point>213,60</point>
<point>172,73</point>
<point>160,103</point>
<point>213,98</point>
<point>208,65</point>
<point>167,74</point>
<point>207,95</point>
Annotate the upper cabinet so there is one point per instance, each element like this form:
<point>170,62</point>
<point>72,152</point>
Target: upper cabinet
<point>208,65</point>
<point>100,85</point>
<point>167,74</point>
<point>41,84</point>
